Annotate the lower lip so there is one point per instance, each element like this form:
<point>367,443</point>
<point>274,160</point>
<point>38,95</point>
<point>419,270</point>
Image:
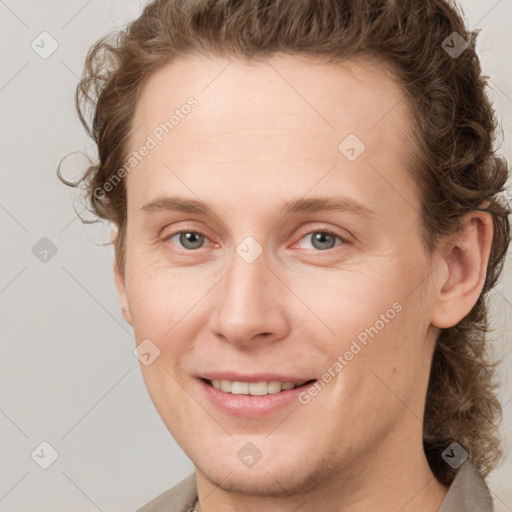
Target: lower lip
<point>250,406</point>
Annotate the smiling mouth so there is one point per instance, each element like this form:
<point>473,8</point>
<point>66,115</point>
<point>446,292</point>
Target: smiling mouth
<point>261,388</point>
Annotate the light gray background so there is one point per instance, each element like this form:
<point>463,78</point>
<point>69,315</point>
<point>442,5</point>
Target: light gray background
<point>68,375</point>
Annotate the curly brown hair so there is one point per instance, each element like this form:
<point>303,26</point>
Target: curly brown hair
<point>454,131</point>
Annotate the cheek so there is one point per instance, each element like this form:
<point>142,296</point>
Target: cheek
<point>161,298</point>
<point>165,309</point>
<point>373,325</point>
<point>346,303</point>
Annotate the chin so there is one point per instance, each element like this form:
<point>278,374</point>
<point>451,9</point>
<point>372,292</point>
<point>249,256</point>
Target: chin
<point>260,482</point>
<point>271,478</point>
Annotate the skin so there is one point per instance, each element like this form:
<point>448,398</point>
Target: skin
<point>263,134</point>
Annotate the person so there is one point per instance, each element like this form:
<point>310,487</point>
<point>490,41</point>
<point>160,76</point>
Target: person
<point>307,218</point>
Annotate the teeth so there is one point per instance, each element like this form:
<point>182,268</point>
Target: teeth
<point>258,388</point>
<point>240,388</point>
<point>274,386</point>
<point>253,388</point>
<point>225,386</point>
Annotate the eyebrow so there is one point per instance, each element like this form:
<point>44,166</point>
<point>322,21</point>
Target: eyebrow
<point>316,204</point>
<point>301,205</point>
<point>179,204</point>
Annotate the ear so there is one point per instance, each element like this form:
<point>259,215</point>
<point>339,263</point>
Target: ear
<point>462,269</point>
<point>120,284</point>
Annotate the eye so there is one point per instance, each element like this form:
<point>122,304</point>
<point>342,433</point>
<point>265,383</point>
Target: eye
<point>321,240</point>
<point>189,240</point>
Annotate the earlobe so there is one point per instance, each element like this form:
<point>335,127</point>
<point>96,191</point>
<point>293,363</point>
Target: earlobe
<point>464,261</point>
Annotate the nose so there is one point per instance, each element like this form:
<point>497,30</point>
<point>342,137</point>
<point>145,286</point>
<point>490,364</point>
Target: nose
<point>250,304</point>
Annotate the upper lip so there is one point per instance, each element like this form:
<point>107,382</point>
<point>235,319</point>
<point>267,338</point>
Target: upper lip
<point>254,377</point>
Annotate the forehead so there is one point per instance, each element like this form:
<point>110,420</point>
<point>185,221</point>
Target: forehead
<point>287,113</point>
<point>281,92</point>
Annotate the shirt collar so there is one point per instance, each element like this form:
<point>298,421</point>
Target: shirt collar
<point>468,492</point>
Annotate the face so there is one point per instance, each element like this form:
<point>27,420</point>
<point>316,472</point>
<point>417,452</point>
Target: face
<point>274,242</point>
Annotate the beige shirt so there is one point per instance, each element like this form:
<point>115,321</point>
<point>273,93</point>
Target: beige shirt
<point>467,493</point>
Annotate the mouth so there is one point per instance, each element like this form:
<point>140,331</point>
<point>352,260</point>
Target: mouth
<point>251,396</point>
<point>260,388</point>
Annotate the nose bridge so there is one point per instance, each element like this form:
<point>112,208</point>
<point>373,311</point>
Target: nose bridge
<point>248,301</point>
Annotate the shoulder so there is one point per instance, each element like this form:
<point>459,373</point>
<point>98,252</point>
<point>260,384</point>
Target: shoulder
<point>468,492</point>
<point>179,498</point>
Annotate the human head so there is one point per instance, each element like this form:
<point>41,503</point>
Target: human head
<point>451,126</point>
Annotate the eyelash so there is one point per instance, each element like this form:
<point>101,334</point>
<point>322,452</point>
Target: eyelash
<point>342,240</point>
<point>309,233</point>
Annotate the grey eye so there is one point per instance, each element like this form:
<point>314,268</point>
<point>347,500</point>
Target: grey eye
<point>321,240</point>
<point>189,239</point>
